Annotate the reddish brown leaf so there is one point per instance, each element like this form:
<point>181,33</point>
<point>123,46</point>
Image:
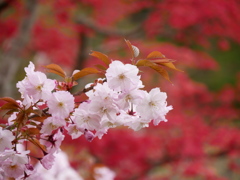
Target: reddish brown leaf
<point>155,54</point>
<point>33,131</point>
<point>9,106</point>
<point>159,61</point>
<point>101,67</point>
<point>56,69</point>
<point>37,143</point>
<point>133,49</point>
<point>84,72</point>
<point>21,118</point>
<point>10,100</point>
<point>143,62</point>
<point>10,111</point>
<point>101,56</point>
<point>39,119</point>
<point>154,66</point>
<point>171,66</point>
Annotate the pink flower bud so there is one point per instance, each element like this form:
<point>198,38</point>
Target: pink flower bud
<point>29,167</point>
<point>89,135</point>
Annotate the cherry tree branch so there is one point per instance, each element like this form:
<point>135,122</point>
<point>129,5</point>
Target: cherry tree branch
<point>4,4</point>
<point>107,31</point>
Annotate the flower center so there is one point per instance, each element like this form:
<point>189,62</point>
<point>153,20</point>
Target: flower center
<point>151,103</point>
<point>122,76</point>
<point>39,87</point>
<point>60,104</point>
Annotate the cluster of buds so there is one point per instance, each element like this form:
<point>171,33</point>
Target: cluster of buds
<point>48,110</point>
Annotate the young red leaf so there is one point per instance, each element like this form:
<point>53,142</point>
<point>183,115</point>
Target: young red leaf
<point>159,61</point>
<point>161,71</point>
<point>56,69</point>
<point>39,119</point>
<point>171,66</point>
<point>33,131</point>
<point>84,72</point>
<point>10,111</point>
<point>10,100</point>
<point>38,144</point>
<point>154,66</point>
<point>155,55</point>
<point>9,106</point>
<point>101,67</point>
<point>101,56</point>
<point>143,62</point>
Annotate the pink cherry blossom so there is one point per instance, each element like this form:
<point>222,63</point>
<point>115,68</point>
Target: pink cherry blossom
<point>154,106</point>
<point>104,173</point>
<point>53,141</point>
<point>13,170</point>
<point>6,138</point>
<point>35,85</point>
<point>86,119</point>
<point>74,131</point>
<point>52,123</point>
<point>60,104</point>
<point>47,161</point>
<point>123,77</point>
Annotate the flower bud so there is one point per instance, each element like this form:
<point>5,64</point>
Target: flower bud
<point>89,135</point>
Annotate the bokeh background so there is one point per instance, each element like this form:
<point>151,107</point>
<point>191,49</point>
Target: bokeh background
<point>201,139</point>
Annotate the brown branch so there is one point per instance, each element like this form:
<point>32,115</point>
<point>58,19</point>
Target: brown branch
<point>136,31</point>
<point>10,60</point>
<point>4,5</point>
<point>82,52</point>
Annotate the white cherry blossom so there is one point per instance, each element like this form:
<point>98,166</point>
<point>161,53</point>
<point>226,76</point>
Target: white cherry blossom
<point>60,104</point>
<point>6,138</point>
<point>123,77</point>
<point>35,85</point>
<point>154,106</point>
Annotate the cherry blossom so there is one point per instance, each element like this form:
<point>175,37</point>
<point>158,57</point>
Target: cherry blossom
<point>53,141</point>
<point>13,163</point>
<point>117,100</point>
<point>52,123</point>
<point>84,118</point>
<point>35,85</point>
<point>48,161</point>
<point>123,77</point>
<point>60,104</point>
<point>154,106</point>
<point>6,138</point>
<point>74,131</point>
<point>104,173</point>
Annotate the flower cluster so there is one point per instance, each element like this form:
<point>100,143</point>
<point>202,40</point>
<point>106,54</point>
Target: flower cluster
<point>48,110</point>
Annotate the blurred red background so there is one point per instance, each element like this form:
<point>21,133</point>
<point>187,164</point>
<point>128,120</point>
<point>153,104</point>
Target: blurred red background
<point>201,138</point>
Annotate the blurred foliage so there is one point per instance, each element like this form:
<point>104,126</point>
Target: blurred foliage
<point>229,63</point>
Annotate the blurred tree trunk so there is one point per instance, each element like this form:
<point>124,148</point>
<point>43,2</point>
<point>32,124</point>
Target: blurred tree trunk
<point>10,60</point>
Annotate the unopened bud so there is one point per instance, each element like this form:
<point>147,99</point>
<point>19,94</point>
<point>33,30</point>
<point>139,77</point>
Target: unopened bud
<point>29,167</point>
<point>89,135</point>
